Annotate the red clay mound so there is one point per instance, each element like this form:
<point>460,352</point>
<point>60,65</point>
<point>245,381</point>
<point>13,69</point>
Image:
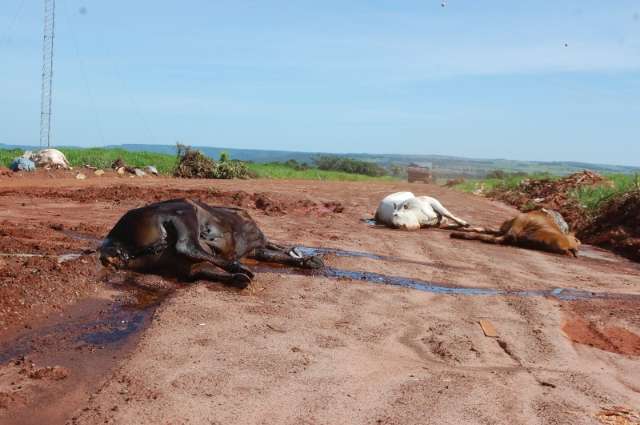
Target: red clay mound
<point>553,194</point>
<point>270,204</point>
<point>616,226</point>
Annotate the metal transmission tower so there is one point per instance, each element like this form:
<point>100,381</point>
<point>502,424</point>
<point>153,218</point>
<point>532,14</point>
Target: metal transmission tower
<point>47,72</point>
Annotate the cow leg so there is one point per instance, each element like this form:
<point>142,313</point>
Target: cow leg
<point>206,271</point>
<point>187,244</point>
<point>282,256</point>
<point>442,211</point>
<point>479,237</point>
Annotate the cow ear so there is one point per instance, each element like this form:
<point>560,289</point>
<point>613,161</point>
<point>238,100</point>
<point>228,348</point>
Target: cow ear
<point>395,207</point>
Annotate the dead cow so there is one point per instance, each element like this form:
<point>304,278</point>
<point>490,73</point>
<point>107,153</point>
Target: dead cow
<point>404,210</point>
<point>51,158</point>
<point>536,230</point>
<point>192,240</point>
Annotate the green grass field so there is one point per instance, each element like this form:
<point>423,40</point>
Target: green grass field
<point>281,171</point>
<point>102,158</point>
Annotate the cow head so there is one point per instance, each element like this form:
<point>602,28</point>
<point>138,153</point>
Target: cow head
<point>405,215</point>
<point>112,255</point>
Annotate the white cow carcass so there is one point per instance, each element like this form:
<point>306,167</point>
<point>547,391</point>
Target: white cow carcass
<point>403,210</point>
<point>50,158</point>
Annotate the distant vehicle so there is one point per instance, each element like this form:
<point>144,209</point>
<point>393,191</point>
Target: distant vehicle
<point>419,174</point>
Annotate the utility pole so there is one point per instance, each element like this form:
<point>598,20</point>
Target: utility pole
<point>47,72</point>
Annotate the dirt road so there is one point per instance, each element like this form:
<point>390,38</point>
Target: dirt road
<point>306,349</point>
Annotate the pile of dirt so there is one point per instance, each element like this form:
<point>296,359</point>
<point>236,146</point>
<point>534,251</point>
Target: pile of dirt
<point>268,203</point>
<point>616,226</point>
<point>533,194</point>
<point>454,182</point>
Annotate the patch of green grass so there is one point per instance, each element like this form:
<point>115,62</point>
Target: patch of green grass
<point>282,171</point>
<point>102,158</point>
<point>507,183</point>
<point>592,196</point>
<point>7,156</point>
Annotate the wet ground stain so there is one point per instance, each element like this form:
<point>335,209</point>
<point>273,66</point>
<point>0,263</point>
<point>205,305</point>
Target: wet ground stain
<point>562,294</point>
<point>88,341</point>
<point>613,338</point>
<point>307,250</point>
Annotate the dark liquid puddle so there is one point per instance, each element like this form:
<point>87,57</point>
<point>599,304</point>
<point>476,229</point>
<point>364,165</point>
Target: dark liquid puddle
<point>89,340</point>
<point>307,250</point>
<point>79,236</point>
<point>563,294</point>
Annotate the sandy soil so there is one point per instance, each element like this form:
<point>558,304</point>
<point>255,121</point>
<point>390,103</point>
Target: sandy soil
<point>302,349</point>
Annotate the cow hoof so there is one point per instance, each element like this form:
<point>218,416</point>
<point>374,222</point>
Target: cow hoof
<point>240,280</point>
<point>242,269</point>
<point>314,262</point>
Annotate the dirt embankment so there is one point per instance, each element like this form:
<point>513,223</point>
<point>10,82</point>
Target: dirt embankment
<point>616,226</point>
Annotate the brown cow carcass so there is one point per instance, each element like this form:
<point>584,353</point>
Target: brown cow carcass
<point>192,240</point>
<point>542,230</point>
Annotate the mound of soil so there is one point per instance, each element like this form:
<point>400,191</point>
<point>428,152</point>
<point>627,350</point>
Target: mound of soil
<point>616,226</point>
<point>454,182</point>
<point>552,194</point>
<point>269,204</point>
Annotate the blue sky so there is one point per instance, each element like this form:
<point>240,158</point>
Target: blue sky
<point>477,78</point>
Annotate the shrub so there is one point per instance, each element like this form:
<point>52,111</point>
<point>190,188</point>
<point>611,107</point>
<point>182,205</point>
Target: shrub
<point>348,165</point>
<point>194,164</point>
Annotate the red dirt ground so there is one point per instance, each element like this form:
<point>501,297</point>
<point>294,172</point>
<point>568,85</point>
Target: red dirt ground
<point>305,348</point>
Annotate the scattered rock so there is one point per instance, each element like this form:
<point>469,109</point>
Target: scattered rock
<point>151,170</point>
<point>138,172</point>
<point>121,171</point>
<point>55,373</point>
<point>118,163</point>
<point>618,415</point>
<point>80,176</point>
<point>99,172</point>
